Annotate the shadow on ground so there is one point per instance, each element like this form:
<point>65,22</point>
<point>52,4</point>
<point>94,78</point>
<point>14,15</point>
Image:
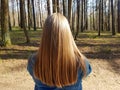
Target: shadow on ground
<point>113,57</point>
<point>16,54</point>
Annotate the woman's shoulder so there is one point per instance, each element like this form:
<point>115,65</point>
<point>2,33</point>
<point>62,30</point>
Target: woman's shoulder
<point>88,66</point>
<point>32,58</point>
<point>31,62</point>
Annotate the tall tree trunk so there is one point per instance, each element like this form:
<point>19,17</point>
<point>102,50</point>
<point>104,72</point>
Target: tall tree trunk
<point>73,22</point>
<point>73,18</point>
<point>102,20</point>
<point>49,9</point>
<point>96,16</point>
<point>115,13</point>
<point>13,12</point>
<point>118,16</point>
<point>0,13</point>
<point>93,19</point>
<point>40,11</point>
<point>58,8</point>
<point>82,5</point>
<point>65,8</point>
<point>78,19</point>
<point>23,20</point>
<point>54,5</point>
<point>70,12</point>
<point>18,12</point>
<point>85,15</point>
<point>34,19</point>
<point>10,27</point>
<point>5,23</point>
<point>105,17</point>
<point>108,26</point>
<point>113,18</point>
<point>29,14</point>
<point>99,18</point>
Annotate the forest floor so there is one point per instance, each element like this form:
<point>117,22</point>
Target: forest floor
<point>103,54</point>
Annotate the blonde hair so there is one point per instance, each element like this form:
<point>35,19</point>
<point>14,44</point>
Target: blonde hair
<point>58,58</point>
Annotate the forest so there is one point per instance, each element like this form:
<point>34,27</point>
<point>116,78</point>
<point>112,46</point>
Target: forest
<point>95,26</point>
<point>83,15</point>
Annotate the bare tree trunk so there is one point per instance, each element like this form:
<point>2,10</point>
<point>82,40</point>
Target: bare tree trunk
<point>40,11</point>
<point>113,18</point>
<point>78,19</point>
<point>23,20</point>
<point>73,22</point>
<point>65,8</point>
<point>29,14</point>
<point>102,15</point>
<point>99,18</point>
<point>93,19</point>
<point>85,15</point>
<point>108,16</point>
<point>105,17</point>
<point>70,12</point>
<point>49,7</point>
<point>97,9</point>
<point>10,27</point>
<point>58,8</point>
<point>13,12</point>
<point>118,16</point>
<point>115,13</point>
<point>18,12</point>
<point>0,13</point>
<point>6,41</point>
<point>54,5</point>
<point>34,19</point>
<point>73,18</point>
<point>82,5</point>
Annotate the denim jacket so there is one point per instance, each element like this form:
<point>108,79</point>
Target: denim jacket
<point>40,86</point>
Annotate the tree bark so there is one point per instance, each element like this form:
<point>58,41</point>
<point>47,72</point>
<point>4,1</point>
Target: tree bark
<point>13,13</point>
<point>29,14</point>
<point>78,19</point>
<point>54,6</point>
<point>10,27</point>
<point>23,20</point>
<point>18,13</point>
<point>118,16</point>
<point>58,8</point>
<point>65,8</point>
<point>6,41</point>
<point>99,18</point>
<point>34,18</point>
<point>102,20</point>
<point>93,19</point>
<point>113,18</point>
<point>108,26</point>
<point>49,7</point>
<point>82,5</point>
<point>70,12</point>
<point>40,11</point>
<point>85,15</point>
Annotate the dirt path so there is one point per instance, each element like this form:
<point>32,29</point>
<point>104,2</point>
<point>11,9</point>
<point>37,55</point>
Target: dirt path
<point>14,76</point>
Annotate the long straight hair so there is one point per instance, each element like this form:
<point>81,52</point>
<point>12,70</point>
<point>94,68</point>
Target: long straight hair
<point>58,58</point>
